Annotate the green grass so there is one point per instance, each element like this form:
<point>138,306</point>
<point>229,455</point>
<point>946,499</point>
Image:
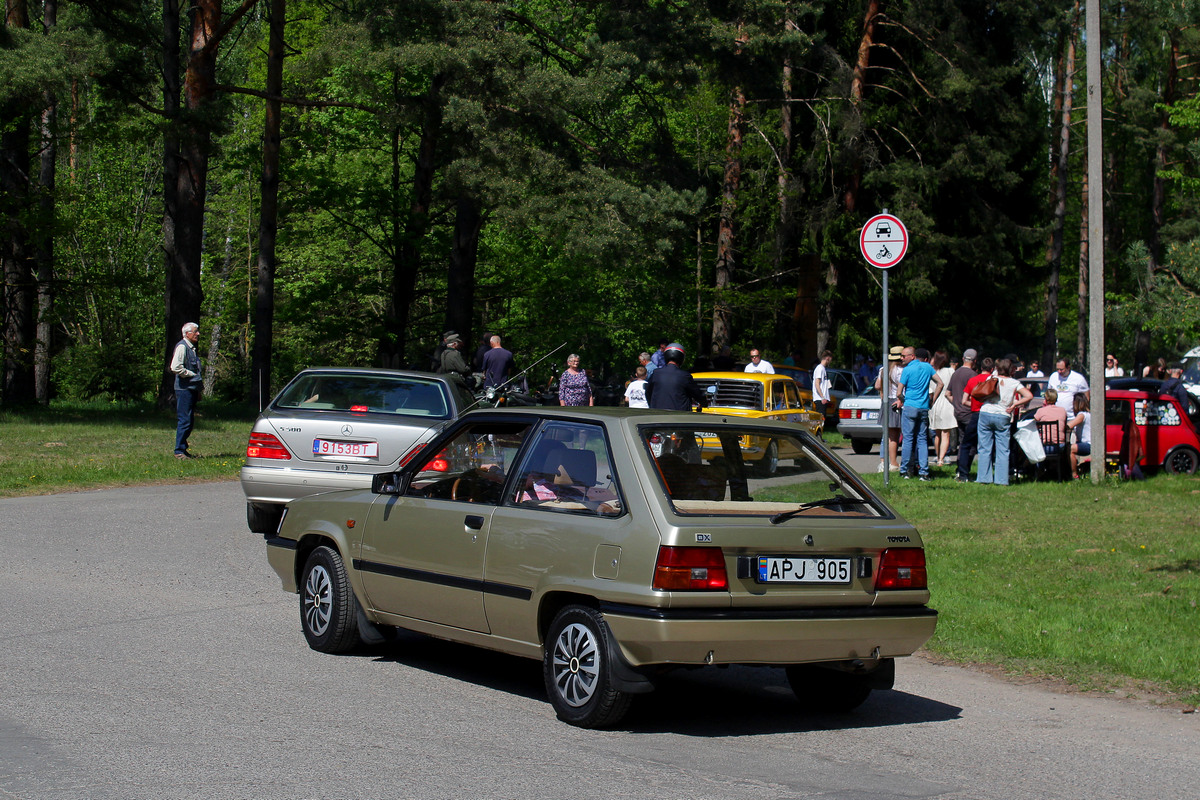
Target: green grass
<point>1094,585</point>
<point>73,446</point>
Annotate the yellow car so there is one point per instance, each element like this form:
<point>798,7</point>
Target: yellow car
<point>760,396</point>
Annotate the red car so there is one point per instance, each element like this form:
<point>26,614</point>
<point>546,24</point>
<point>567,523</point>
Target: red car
<point>1167,431</point>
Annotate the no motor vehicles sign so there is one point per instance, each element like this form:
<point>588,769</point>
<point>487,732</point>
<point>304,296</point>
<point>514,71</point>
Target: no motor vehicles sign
<point>883,241</point>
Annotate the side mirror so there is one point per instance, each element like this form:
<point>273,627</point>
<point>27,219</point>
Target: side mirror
<point>387,483</point>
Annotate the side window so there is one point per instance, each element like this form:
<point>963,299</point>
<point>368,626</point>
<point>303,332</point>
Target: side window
<point>1161,412</point>
<point>792,395</point>
<point>472,466</point>
<point>1115,412</point>
<point>777,397</point>
<point>568,470</point>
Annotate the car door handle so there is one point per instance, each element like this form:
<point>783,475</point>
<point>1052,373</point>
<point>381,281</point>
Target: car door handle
<point>474,522</point>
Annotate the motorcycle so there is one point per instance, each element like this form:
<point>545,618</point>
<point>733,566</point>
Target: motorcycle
<point>502,397</point>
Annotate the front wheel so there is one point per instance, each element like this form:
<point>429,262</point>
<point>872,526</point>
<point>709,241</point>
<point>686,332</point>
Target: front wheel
<point>328,608</point>
<point>577,669</point>
<point>827,691</point>
<point>1182,461</point>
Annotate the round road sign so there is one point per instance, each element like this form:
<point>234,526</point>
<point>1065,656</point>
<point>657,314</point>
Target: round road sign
<point>883,241</point>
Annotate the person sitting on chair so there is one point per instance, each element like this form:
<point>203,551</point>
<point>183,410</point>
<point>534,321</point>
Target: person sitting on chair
<point>1050,412</point>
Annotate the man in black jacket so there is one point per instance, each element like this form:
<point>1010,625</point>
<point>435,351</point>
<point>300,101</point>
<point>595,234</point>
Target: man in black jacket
<point>672,387</point>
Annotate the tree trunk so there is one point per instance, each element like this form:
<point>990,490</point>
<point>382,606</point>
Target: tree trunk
<point>1158,193</point>
<point>171,103</point>
<point>726,255</point>
<point>264,308</point>
<point>785,225</point>
<point>1054,249</point>
<point>460,278</point>
<point>16,254</point>
<point>45,249</point>
<point>408,239</point>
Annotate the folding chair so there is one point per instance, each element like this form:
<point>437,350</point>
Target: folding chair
<point>1056,441</point>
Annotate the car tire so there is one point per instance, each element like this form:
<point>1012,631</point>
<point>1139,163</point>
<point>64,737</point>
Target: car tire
<point>577,669</point>
<point>263,519</point>
<point>861,446</point>
<point>827,691</point>
<point>1182,461</point>
<point>328,607</point>
<point>769,463</point>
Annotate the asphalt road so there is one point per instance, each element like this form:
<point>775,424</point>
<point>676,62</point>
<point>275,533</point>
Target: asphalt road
<point>149,653</point>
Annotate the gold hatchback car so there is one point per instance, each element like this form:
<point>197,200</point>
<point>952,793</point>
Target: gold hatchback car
<point>761,396</point>
<point>613,545</point>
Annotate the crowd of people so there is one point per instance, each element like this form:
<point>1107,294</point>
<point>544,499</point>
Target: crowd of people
<point>980,400</point>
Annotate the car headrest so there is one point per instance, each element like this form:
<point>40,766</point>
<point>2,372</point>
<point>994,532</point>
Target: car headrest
<point>572,467</point>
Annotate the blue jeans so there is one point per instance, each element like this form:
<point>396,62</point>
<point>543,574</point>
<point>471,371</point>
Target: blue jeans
<point>185,416</point>
<point>914,427</point>
<point>994,436</point>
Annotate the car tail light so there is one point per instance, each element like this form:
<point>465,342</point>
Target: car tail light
<point>266,445</point>
<point>682,569</point>
<point>359,409</point>
<point>846,413</point>
<point>902,568</point>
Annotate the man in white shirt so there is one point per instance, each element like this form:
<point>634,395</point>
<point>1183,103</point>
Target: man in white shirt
<point>821,383</point>
<point>1111,367</point>
<point>758,364</point>
<point>1067,383</point>
<point>1034,371</point>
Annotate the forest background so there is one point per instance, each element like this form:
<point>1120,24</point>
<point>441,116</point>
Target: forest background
<point>322,182</point>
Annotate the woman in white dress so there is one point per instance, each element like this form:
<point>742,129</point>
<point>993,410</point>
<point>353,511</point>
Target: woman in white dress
<point>941,413</point>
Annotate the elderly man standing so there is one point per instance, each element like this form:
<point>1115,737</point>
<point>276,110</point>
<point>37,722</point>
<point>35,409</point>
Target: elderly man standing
<point>185,364</point>
<point>913,393</point>
<point>967,420</point>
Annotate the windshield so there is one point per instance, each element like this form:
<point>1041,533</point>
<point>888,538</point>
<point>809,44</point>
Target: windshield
<point>728,470</point>
<point>1191,369</point>
<point>374,393</point>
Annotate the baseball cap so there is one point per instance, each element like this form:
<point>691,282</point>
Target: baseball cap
<point>969,354</point>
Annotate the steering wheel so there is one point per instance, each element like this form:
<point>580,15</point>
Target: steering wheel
<point>464,488</point>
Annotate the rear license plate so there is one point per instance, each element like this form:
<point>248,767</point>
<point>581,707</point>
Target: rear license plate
<point>326,447</point>
<point>780,569</point>
<point>872,415</point>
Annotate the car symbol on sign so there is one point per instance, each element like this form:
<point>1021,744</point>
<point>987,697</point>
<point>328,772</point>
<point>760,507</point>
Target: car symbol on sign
<point>883,229</point>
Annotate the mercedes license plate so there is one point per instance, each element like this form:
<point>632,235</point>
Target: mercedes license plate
<point>788,569</point>
<point>330,447</point>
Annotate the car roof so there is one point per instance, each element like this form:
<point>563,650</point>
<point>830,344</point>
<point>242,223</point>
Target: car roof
<point>761,377</point>
<point>390,373</point>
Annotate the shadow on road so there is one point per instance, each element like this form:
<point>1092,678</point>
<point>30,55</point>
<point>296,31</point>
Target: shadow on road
<point>713,701</point>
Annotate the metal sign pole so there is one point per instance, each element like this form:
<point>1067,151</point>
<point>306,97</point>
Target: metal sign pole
<point>885,408</point>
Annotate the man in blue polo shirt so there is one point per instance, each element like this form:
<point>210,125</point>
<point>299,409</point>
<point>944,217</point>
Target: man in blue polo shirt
<point>918,382</point>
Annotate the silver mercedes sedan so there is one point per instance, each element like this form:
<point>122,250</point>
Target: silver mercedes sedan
<point>335,428</point>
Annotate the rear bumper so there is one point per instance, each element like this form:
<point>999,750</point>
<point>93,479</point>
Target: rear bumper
<point>656,636</point>
<point>282,485</point>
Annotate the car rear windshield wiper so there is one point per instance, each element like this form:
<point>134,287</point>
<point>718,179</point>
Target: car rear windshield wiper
<point>828,502</point>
